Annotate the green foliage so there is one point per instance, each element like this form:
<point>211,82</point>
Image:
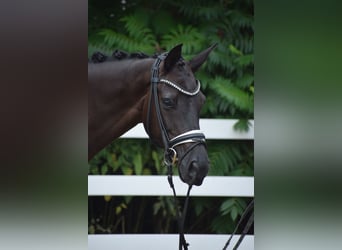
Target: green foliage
<point>129,157</point>
<point>227,80</point>
<point>228,73</point>
<point>230,209</point>
<point>137,38</point>
<point>232,94</point>
<point>231,159</point>
<point>189,36</point>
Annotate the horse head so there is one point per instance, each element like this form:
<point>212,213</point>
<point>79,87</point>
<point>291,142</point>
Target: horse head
<point>171,114</point>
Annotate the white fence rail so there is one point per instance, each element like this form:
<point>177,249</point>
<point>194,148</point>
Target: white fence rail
<point>165,242</point>
<point>216,129</point>
<point>213,186</point>
<point>146,186</point>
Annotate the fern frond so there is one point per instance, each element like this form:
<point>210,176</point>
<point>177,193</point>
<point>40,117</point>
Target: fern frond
<point>225,89</point>
<point>137,29</point>
<point>244,60</point>
<point>224,158</point>
<point>245,81</point>
<point>220,59</point>
<point>118,40</point>
<point>244,43</point>
<point>210,12</point>
<point>138,36</point>
<point>201,9</point>
<point>240,19</point>
<point>242,125</point>
<point>92,48</point>
<point>109,37</point>
<point>189,36</point>
<point>189,8</point>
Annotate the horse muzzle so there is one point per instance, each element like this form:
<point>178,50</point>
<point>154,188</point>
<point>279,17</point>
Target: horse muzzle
<point>189,151</point>
<point>194,166</point>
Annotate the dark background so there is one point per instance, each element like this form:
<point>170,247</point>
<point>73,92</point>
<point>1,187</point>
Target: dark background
<point>44,125</point>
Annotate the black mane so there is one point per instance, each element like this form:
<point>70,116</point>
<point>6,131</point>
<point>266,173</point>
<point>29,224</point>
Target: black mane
<point>99,57</point>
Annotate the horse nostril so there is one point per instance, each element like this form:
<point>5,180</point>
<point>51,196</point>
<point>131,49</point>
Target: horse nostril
<point>193,171</point>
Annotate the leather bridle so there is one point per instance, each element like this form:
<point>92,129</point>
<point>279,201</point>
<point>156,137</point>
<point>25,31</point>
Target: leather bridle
<point>192,136</point>
<point>196,137</point>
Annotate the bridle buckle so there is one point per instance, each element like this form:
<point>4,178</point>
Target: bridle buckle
<point>170,157</point>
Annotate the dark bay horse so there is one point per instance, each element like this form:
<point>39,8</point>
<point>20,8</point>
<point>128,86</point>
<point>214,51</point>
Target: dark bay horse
<point>160,92</point>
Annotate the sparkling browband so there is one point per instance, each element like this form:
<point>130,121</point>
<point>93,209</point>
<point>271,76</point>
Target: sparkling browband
<point>182,90</point>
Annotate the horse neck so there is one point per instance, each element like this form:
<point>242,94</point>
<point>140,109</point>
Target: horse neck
<point>117,92</point>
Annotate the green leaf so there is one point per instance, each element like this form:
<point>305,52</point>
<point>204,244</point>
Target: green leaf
<point>138,164</point>
<point>244,60</point>
<point>156,160</point>
<point>227,205</point>
<point>251,88</point>
<point>94,170</point>
<point>226,89</point>
<point>242,125</point>
<point>127,170</point>
<point>189,36</point>
<point>146,171</point>
<point>245,81</point>
<point>112,161</point>
<point>241,203</point>
<point>118,210</point>
<point>222,224</point>
<point>107,198</point>
<point>127,199</point>
<point>234,50</point>
<point>104,169</point>
<point>156,208</point>
<point>234,213</point>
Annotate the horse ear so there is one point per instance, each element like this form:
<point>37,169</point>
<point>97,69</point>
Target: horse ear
<point>197,61</point>
<point>172,57</point>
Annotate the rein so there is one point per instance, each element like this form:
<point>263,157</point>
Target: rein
<point>170,154</point>
<point>246,228</point>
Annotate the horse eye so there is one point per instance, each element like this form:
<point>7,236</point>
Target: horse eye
<point>169,103</point>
